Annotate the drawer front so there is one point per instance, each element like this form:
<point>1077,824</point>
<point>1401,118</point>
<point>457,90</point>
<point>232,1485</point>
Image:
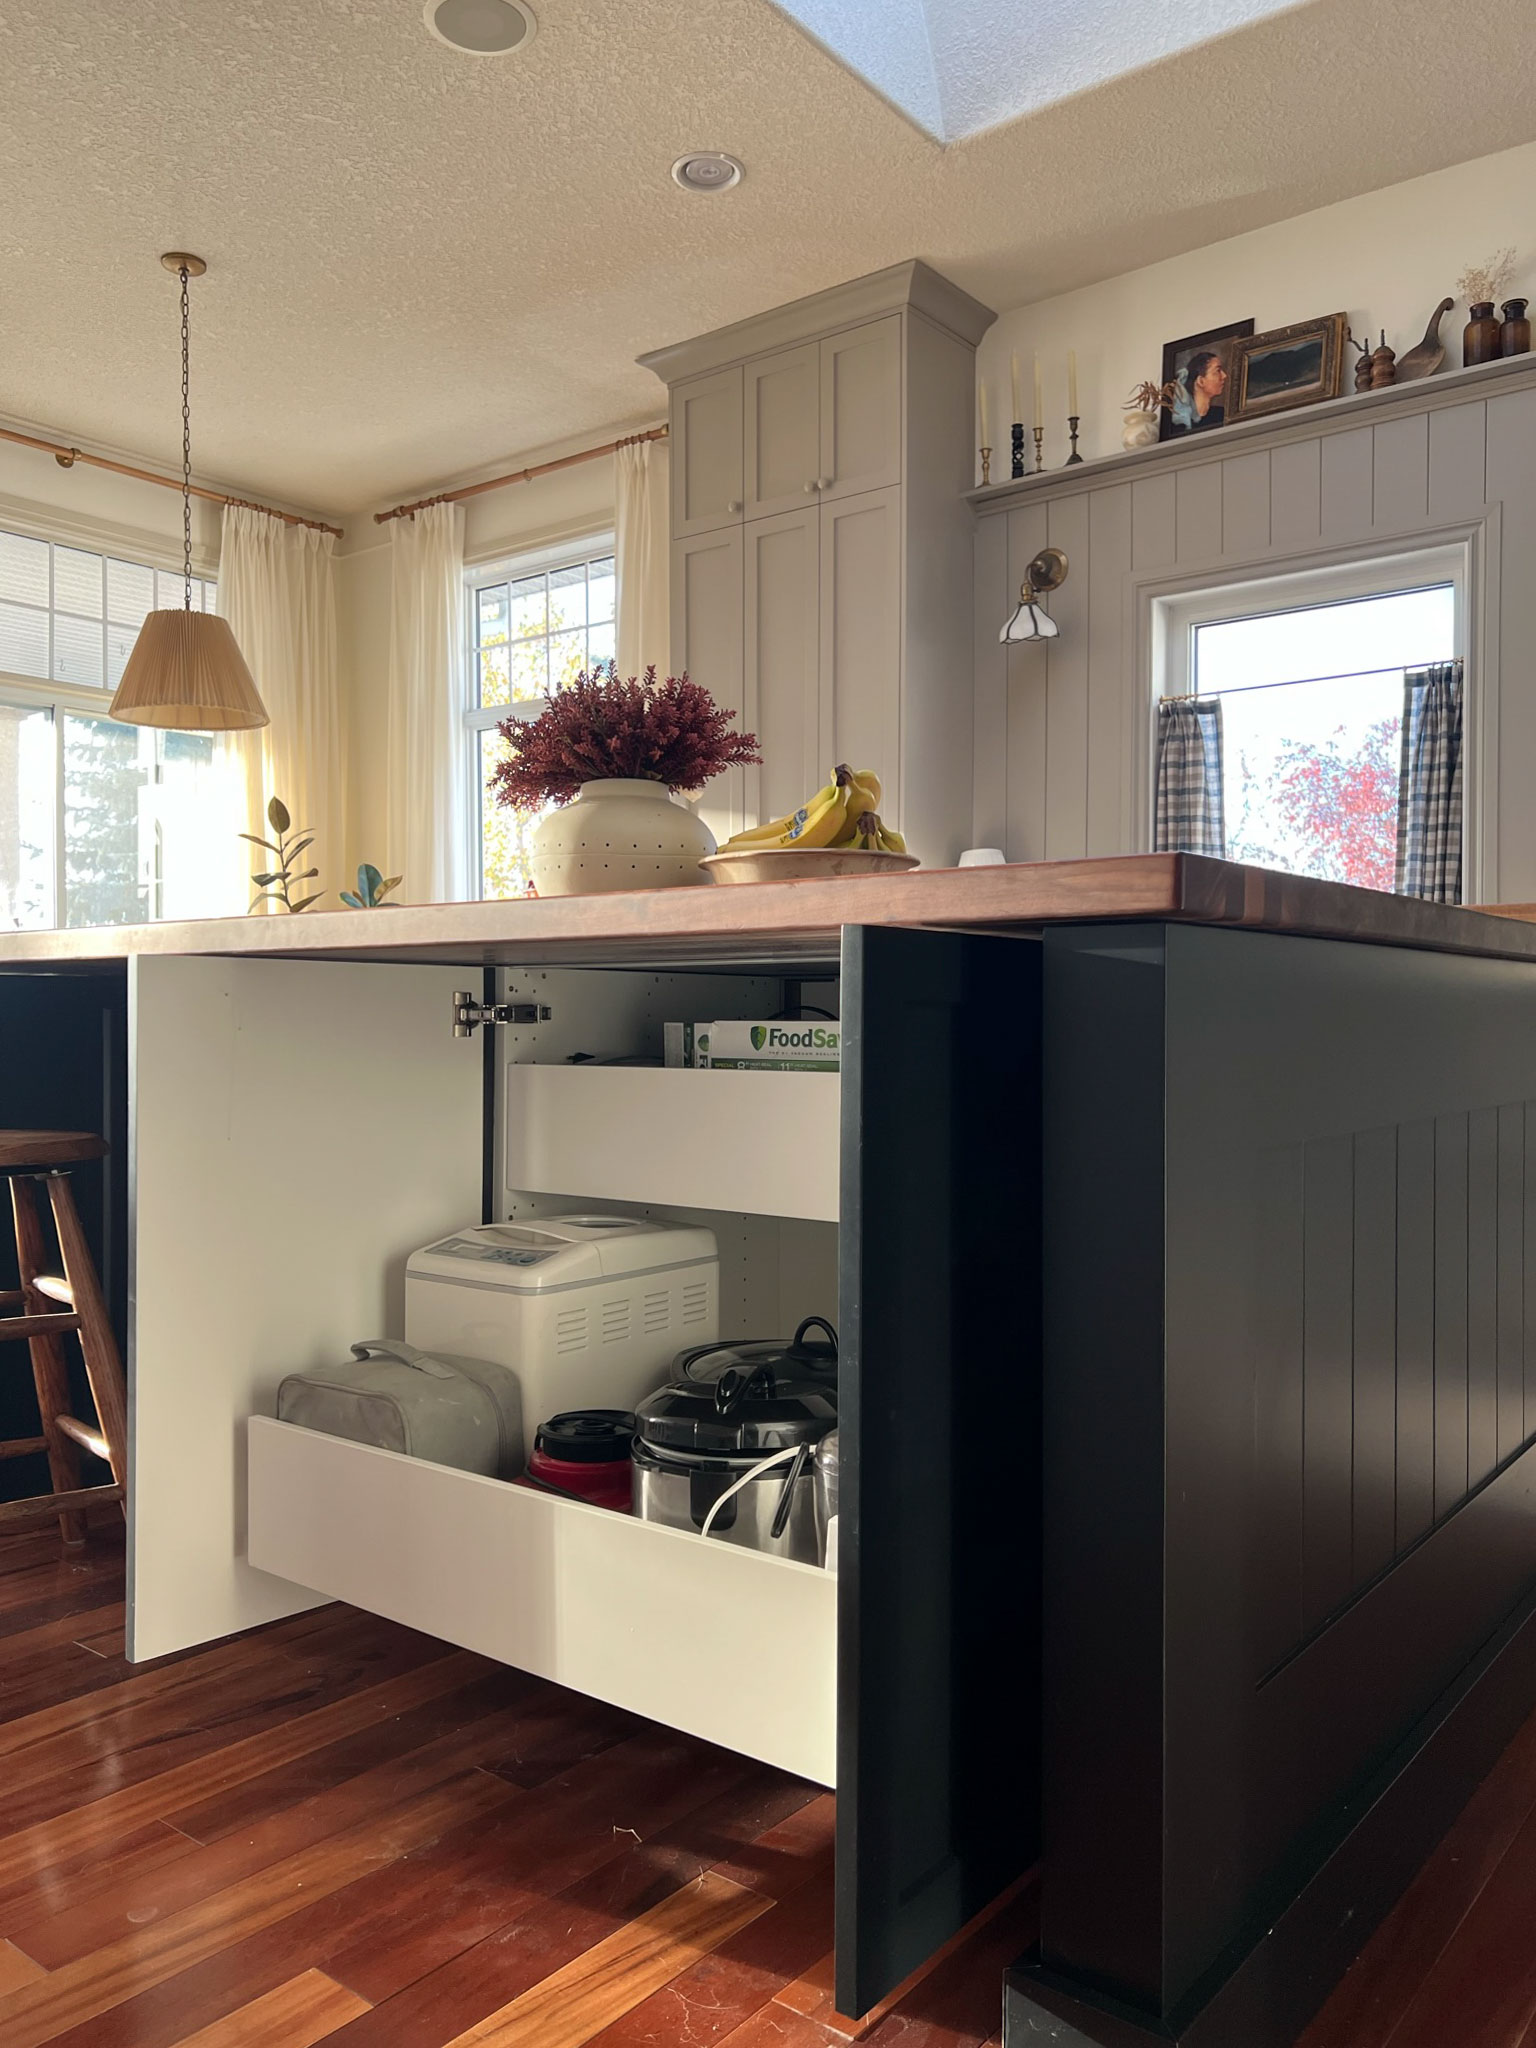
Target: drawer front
<point>726,1644</point>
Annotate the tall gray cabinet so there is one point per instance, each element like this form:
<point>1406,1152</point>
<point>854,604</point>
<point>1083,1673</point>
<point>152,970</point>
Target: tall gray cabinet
<point>821,544</point>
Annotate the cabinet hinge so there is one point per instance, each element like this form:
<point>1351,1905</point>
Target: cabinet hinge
<point>468,1014</point>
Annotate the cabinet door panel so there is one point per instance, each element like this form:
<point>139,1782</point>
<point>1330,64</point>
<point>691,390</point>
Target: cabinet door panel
<point>861,638</point>
<point>706,452</point>
<point>783,571</point>
<point>782,406</point>
<point>861,408</point>
<point>938,1788</point>
<point>707,643</point>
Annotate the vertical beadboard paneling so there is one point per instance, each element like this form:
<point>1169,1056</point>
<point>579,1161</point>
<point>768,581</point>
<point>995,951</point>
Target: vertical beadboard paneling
<point>1295,494</point>
<point>1482,1293</point>
<point>1112,696</point>
<point>1027,686</point>
<point>1066,719</point>
<point>1400,466</point>
<point>1415,1331</point>
<point>994,601</point>
<point>1197,494</point>
<point>1328,1376</point>
<point>1457,461</point>
<point>1154,535</point>
<point>1245,506</point>
<point>1512,484</point>
<point>1450,1312</point>
<point>1348,484</point>
<point>1374,1484</point>
<point>1511,1257</point>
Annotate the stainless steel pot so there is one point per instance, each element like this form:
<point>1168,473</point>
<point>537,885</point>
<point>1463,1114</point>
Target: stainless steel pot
<point>680,1487</point>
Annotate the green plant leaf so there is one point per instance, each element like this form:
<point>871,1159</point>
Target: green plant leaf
<point>351,901</point>
<point>263,880</point>
<point>277,815</point>
<point>259,842</point>
<point>307,876</point>
<point>296,846</point>
<point>393,883</point>
<point>305,901</point>
<point>369,880</point>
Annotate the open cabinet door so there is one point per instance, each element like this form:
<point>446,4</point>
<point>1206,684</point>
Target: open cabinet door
<point>938,1598</point>
<point>298,1128</point>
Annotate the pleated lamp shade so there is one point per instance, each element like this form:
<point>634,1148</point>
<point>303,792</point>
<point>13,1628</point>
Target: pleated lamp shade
<point>186,672</point>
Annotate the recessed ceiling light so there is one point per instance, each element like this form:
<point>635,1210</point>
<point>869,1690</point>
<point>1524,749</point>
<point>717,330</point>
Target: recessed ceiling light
<point>706,170</point>
<point>484,28</point>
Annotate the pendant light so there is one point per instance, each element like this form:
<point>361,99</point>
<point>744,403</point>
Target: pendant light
<point>186,671</point>
<point>1029,620</point>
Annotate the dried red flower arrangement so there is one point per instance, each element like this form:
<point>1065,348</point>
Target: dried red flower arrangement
<point>601,727</point>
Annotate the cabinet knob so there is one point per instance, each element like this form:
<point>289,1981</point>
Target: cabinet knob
<point>813,486</point>
<point>733,505</point>
<point>823,483</point>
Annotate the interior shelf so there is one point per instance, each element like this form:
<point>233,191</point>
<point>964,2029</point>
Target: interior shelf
<point>761,1143</point>
<point>725,1643</point>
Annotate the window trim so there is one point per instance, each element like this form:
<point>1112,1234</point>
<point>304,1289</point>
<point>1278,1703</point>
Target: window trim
<point>478,718</point>
<point>1466,556</point>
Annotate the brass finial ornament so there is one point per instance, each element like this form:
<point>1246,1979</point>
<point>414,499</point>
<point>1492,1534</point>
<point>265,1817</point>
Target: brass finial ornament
<point>186,671</point>
<point>1029,621</point>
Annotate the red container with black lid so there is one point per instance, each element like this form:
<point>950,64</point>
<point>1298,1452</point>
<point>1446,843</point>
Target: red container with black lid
<point>585,1452</point>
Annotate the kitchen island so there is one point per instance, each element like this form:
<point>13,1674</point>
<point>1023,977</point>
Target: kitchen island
<point>1180,1217</point>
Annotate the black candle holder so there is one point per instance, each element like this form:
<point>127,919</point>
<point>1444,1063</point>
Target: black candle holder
<point>1072,420</point>
<point>1018,448</point>
<point>1039,433</point>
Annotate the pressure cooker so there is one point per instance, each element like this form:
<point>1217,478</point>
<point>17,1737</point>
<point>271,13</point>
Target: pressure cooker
<point>727,1446</point>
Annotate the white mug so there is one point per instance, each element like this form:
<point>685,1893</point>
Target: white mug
<point>983,857</point>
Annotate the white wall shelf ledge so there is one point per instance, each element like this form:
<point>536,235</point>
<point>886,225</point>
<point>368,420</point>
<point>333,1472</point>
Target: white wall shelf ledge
<point>1424,394</point>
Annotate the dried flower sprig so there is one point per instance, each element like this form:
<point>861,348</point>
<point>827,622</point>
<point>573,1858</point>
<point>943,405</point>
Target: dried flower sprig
<point>601,727</point>
<point>1149,397</point>
<point>1482,284</point>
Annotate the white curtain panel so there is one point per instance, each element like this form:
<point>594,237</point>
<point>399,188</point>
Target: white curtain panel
<point>277,588</point>
<point>641,523</point>
<point>425,819</point>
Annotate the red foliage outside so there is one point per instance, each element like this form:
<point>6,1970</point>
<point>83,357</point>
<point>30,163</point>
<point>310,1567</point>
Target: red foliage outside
<point>1342,806</point>
<point>601,727</point>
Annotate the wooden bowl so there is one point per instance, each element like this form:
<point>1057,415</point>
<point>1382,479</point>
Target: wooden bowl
<point>799,864</point>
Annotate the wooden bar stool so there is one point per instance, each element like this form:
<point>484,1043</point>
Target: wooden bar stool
<point>29,1159</point>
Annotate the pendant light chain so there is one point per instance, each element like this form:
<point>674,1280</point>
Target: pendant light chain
<point>186,438</point>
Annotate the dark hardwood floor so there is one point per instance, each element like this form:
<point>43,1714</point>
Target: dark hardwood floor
<point>333,1829</point>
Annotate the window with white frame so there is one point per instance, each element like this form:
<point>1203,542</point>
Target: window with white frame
<point>533,626</point>
<point>100,823</point>
<point>1310,671</point>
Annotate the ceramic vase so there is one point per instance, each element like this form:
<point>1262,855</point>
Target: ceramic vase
<point>1140,430</point>
<point>1482,337</point>
<point>619,834</point>
<point>1515,334</point>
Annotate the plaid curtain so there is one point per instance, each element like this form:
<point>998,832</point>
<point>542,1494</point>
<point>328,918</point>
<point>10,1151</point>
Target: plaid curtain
<point>1429,785</point>
<point>1189,810</point>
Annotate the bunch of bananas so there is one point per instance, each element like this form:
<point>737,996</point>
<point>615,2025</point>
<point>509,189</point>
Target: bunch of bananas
<point>843,813</point>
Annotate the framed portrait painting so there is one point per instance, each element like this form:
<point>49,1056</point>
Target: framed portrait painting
<point>1287,366</point>
<point>1197,372</point>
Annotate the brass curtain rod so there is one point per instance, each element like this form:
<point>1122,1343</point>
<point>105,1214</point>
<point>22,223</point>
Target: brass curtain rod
<point>521,476</point>
<point>66,458</point>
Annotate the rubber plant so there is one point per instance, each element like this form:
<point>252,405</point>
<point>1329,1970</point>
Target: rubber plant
<point>371,890</point>
<point>278,885</point>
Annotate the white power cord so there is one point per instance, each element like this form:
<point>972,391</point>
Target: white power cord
<point>752,1472</point>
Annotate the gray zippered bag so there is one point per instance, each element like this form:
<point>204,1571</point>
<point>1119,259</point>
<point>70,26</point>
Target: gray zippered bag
<point>449,1410</point>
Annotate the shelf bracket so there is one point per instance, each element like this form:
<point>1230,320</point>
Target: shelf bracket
<point>468,1015</point>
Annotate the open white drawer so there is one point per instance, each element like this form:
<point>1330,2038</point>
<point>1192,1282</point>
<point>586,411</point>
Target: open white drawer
<point>724,1643</point>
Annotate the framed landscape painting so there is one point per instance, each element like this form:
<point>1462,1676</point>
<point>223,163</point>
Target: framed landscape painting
<point>1199,370</point>
<point>1288,366</point>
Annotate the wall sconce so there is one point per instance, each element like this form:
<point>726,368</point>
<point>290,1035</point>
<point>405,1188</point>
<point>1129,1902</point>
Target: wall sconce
<point>1029,621</point>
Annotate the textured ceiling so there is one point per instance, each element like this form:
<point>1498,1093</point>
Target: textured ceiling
<point>421,261</point>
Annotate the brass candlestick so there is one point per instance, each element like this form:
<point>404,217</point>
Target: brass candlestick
<point>1039,444</point>
<point>1018,447</point>
<point>986,467</point>
<point>1072,420</point>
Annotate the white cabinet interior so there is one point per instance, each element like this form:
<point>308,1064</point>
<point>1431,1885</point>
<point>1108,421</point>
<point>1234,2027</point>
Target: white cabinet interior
<point>841,630</point>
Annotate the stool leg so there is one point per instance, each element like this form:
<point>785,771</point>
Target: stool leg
<point>50,1373</point>
<point>103,1366</point>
